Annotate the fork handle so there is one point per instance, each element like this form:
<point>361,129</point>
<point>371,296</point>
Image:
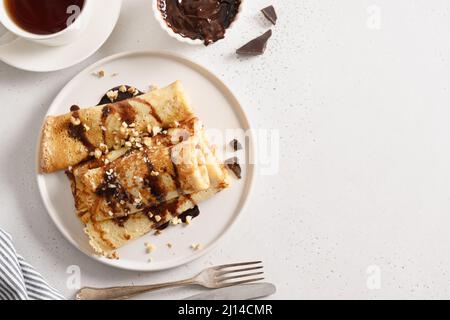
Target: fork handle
<point>125,292</point>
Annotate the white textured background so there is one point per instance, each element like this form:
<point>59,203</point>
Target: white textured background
<point>364,178</point>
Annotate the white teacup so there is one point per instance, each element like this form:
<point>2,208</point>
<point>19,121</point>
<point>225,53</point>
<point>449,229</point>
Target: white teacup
<point>62,37</point>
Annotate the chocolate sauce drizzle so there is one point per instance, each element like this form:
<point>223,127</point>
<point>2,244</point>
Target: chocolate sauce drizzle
<point>79,131</point>
<point>206,20</point>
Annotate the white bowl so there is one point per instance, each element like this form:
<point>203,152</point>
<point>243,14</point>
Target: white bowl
<point>179,37</point>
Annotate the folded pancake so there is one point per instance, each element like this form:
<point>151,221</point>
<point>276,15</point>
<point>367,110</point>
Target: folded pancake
<point>109,235</point>
<point>145,178</point>
<point>74,137</point>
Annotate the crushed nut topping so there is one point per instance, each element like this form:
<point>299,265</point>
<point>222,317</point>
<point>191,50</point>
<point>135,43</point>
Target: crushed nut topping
<point>97,153</point>
<point>86,127</point>
<point>123,89</point>
<point>195,246</point>
<point>188,219</point>
<point>154,173</point>
<point>100,73</point>
<point>150,247</point>
<point>158,218</point>
<point>114,255</point>
<point>156,130</point>
<point>112,95</point>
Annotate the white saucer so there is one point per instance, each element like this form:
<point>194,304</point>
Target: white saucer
<point>34,57</point>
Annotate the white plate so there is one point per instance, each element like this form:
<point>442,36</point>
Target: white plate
<point>30,56</point>
<point>215,105</point>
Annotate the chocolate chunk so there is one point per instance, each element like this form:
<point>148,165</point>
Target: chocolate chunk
<point>256,46</point>
<point>236,145</point>
<point>270,14</point>
<point>233,165</point>
<point>121,95</point>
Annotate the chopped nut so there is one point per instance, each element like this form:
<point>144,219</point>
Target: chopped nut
<point>158,218</point>
<point>75,121</point>
<point>114,255</point>
<point>149,129</point>
<point>148,141</point>
<point>112,95</point>
<point>164,132</point>
<point>150,247</point>
<point>176,124</point>
<point>86,127</point>
<point>100,73</point>
<point>133,91</point>
<point>195,246</point>
<point>97,153</point>
<point>124,124</point>
<point>123,132</point>
<point>138,145</point>
<point>106,161</point>
<point>175,220</point>
<point>70,168</point>
<point>110,213</point>
<point>156,130</point>
<point>103,128</point>
<point>132,125</point>
<point>188,219</point>
<point>154,173</point>
<point>128,144</point>
<point>123,89</point>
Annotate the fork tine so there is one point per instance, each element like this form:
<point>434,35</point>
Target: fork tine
<point>236,283</point>
<point>221,273</point>
<point>239,276</point>
<point>236,265</point>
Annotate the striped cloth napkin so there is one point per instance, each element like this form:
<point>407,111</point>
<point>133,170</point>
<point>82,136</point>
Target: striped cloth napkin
<point>18,279</point>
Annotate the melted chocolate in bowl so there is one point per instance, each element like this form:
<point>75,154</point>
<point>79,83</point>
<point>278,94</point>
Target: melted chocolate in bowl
<point>206,20</point>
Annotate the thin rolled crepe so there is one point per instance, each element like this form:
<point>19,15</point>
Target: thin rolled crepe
<point>65,143</point>
<point>145,178</point>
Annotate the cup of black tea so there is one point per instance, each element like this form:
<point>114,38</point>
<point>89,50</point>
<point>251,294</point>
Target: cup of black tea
<point>48,22</point>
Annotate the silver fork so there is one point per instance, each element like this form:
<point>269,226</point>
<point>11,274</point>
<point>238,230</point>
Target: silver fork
<point>212,278</point>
